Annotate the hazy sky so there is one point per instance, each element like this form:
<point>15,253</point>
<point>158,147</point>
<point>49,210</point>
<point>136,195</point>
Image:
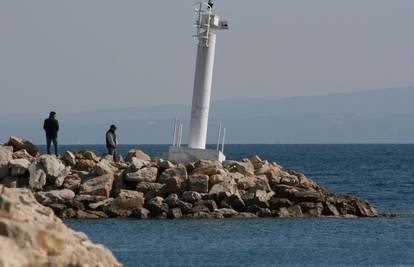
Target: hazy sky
<point>72,55</point>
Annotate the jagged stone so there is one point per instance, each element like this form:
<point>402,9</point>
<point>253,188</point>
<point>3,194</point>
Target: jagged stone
<point>198,183</point>
<point>69,158</point>
<point>157,207</point>
<point>175,213</point>
<point>140,213</point>
<point>5,156</point>
<point>286,212</point>
<point>244,167</point>
<point>18,167</point>
<point>72,182</point>
<point>227,213</point>
<point>311,209</point>
<point>52,166</point>
<point>31,235</point>
<point>147,174</point>
<point>104,167</point>
<point>139,154</point>
<point>208,167</point>
<point>223,189</point>
<point>98,186</point>
<point>37,178</point>
<point>244,215</point>
<point>191,197</point>
<point>20,143</point>
<point>125,203</point>
<point>180,172</point>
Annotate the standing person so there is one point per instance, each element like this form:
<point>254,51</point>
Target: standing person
<point>51,127</point>
<point>111,142</point>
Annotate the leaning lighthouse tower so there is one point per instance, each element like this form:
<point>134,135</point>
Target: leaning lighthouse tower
<point>207,23</point>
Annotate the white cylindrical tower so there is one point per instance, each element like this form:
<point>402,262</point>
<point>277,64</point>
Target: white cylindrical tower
<point>207,22</point>
<point>202,93</point>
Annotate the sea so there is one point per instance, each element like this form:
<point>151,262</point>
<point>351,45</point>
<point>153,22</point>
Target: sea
<point>382,174</point>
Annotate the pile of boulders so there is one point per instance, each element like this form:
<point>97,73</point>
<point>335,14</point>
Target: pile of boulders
<point>83,185</point>
<point>31,235</point>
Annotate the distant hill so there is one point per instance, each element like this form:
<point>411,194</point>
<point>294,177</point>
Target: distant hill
<point>378,116</point>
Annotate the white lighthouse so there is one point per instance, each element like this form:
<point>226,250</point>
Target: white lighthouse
<point>207,22</point>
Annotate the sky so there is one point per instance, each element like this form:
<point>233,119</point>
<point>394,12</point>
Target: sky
<point>81,55</point>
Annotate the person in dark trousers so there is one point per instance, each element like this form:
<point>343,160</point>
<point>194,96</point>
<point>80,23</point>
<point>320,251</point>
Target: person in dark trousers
<point>51,127</point>
<point>111,142</point>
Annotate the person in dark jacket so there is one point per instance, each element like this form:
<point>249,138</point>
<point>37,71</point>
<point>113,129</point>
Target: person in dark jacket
<point>51,127</point>
<point>111,141</point>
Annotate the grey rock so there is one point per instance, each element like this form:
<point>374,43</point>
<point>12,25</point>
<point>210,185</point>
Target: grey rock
<point>98,186</point>
<point>37,178</point>
<point>53,167</point>
<point>191,197</point>
<point>104,167</point>
<point>19,167</point>
<point>224,189</point>
<point>148,174</point>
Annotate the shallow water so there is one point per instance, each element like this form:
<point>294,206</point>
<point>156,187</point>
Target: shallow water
<point>382,174</point>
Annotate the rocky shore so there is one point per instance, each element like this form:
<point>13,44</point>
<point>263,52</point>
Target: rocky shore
<point>31,235</point>
<point>84,185</point>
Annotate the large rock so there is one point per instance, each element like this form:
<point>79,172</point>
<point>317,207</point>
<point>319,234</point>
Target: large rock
<point>19,167</point>
<point>38,177</point>
<point>19,143</point>
<point>198,183</point>
<point>69,158</point>
<point>85,165</point>
<point>31,235</point>
<point>157,207</point>
<point>72,182</point>
<point>223,189</point>
<point>55,197</point>
<point>52,166</point>
<point>147,174</point>
<point>139,154</point>
<point>288,212</point>
<point>296,194</point>
<point>136,164</point>
<point>179,171</point>
<point>350,205</point>
<point>98,186</point>
<point>208,167</point>
<point>191,197</point>
<point>244,167</point>
<point>104,167</point>
<point>125,203</point>
<point>5,156</point>
<point>258,198</point>
<point>311,209</point>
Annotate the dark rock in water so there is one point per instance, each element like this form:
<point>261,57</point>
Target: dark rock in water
<point>236,202</point>
<point>199,207</point>
<point>227,213</point>
<point>286,212</point>
<point>157,206</point>
<point>311,209</point>
<point>204,215</point>
<point>140,213</point>
<point>123,205</point>
<point>81,214</point>
<point>244,215</point>
<point>350,205</point>
<point>175,213</point>
<point>276,203</point>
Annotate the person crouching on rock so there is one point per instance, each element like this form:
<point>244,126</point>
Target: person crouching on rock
<point>111,142</point>
<point>51,127</point>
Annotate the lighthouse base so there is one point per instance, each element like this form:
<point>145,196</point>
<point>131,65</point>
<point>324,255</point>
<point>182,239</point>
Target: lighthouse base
<point>185,154</point>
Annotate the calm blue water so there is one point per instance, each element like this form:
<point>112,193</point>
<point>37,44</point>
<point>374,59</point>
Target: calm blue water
<point>382,174</point>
